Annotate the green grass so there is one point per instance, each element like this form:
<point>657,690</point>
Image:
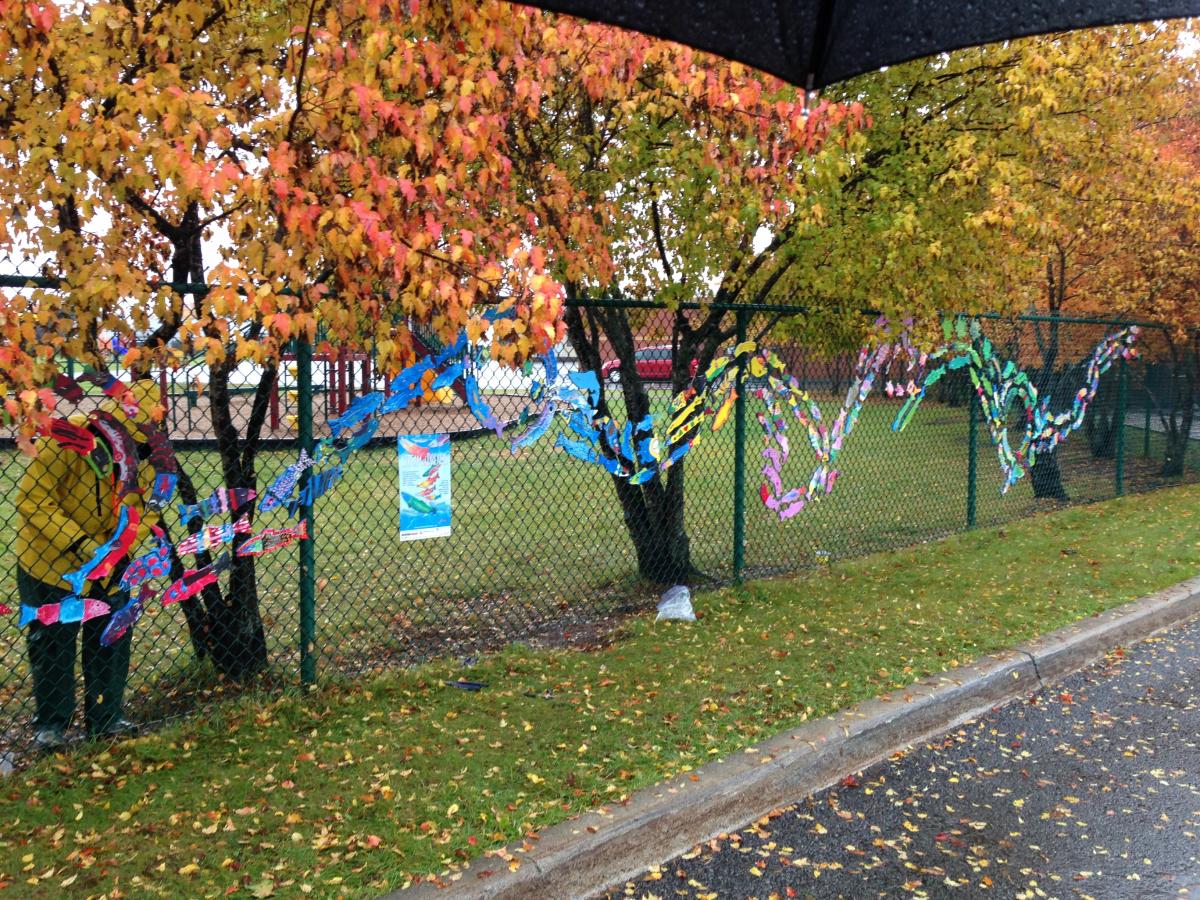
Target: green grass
<point>359,788</point>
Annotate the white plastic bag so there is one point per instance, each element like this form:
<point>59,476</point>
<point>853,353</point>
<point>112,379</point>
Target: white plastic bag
<point>676,603</point>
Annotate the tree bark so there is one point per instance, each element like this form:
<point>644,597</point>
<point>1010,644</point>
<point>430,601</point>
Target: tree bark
<point>224,627</point>
<point>1181,410</point>
<point>653,512</point>
<point>1046,476</point>
<point>1101,425</point>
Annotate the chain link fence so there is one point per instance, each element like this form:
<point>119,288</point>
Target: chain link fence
<point>548,549</point>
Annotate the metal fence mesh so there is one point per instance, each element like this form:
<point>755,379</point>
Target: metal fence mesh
<point>540,548</point>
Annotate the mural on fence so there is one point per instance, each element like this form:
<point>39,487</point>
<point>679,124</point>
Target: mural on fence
<point>634,451</point>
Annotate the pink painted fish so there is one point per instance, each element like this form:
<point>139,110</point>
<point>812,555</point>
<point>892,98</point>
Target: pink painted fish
<point>194,581</point>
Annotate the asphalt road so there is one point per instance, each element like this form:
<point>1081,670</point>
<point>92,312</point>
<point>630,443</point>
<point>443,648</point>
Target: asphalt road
<point>1090,789</point>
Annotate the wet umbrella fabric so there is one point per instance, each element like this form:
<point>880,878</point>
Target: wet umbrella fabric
<point>815,43</point>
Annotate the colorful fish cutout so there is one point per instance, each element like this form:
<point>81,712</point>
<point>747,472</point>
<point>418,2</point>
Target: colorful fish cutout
<point>124,451</point>
<point>281,489</point>
<point>193,581</point>
<point>124,618</point>
<point>271,539</point>
<point>221,500</point>
<point>69,610</point>
<point>211,536</point>
<point>361,408</point>
<point>155,564</point>
<point>317,486</point>
<point>109,553</point>
<point>163,490</point>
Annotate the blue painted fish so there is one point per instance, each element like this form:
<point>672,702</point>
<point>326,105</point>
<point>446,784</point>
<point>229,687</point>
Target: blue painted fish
<point>221,500</point>
<point>124,618</point>
<point>154,564</point>
<point>356,412</point>
<point>281,489</point>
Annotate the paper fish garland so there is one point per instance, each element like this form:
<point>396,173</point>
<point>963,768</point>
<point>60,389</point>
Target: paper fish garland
<point>108,554</point>
<point>125,617</point>
<point>271,539</point>
<point>281,489</point>
<point>155,564</point>
<point>71,609</point>
<point>211,536</point>
<point>220,501</point>
<point>999,384</point>
<point>826,442</point>
<point>193,581</point>
<point>636,451</point>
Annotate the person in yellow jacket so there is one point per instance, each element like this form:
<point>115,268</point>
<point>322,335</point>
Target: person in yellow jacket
<point>64,513</point>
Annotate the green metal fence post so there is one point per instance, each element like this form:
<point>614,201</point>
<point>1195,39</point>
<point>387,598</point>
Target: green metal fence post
<point>1146,426</point>
<point>972,455</point>
<point>308,582</point>
<point>1122,397</point>
<point>739,459</point>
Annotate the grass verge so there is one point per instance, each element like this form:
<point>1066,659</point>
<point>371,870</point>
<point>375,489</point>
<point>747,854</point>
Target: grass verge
<point>358,789</point>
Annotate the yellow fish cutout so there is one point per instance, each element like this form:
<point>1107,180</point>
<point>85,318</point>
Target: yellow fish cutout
<point>725,410</point>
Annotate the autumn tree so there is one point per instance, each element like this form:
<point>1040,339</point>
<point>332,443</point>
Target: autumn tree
<point>986,177</point>
<point>683,160</point>
<point>1148,267</point>
<point>355,157</point>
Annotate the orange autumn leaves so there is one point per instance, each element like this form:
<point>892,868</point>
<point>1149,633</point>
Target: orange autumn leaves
<point>343,164</point>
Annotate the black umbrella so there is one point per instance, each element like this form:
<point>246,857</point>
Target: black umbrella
<point>814,43</point>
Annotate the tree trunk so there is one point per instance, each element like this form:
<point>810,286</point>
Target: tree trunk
<point>237,643</point>
<point>653,512</point>
<point>1045,475</point>
<point>1101,425</point>
<point>1179,422</point>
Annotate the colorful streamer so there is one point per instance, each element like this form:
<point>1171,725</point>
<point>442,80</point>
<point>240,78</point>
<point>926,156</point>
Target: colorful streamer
<point>1000,384</point>
<point>636,451</point>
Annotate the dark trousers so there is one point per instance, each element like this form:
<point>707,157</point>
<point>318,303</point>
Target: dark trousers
<point>52,661</point>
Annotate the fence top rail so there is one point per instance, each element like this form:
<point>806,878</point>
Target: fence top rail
<point>189,287</point>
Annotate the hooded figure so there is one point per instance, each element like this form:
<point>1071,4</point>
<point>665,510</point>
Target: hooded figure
<point>65,513</point>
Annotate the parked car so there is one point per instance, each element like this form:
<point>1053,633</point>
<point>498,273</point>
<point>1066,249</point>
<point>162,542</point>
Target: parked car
<point>653,364</point>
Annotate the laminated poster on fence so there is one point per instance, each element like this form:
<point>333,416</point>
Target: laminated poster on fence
<point>424,461</point>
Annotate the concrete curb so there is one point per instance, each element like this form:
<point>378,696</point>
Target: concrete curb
<point>610,845</point>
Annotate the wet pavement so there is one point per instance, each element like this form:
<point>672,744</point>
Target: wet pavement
<point>1089,789</point>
